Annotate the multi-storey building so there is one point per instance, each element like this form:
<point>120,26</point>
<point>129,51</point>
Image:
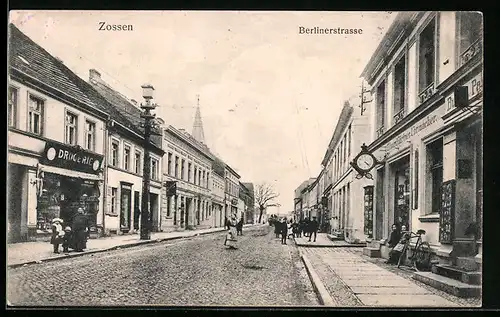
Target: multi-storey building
<point>125,159</point>
<point>249,199</point>
<point>299,201</point>
<point>232,191</point>
<point>56,141</point>
<point>189,164</point>
<point>426,85</point>
<point>218,195</point>
<point>345,192</point>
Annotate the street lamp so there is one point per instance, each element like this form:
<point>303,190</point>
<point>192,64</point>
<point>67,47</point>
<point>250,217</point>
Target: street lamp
<point>147,106</point>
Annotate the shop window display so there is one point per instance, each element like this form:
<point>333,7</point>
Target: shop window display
<point>61,196</point>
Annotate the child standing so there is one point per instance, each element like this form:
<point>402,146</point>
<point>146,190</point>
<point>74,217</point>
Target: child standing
<point>57,233</point>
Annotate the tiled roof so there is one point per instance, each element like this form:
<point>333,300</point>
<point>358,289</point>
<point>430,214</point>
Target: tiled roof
<point>31,59</point>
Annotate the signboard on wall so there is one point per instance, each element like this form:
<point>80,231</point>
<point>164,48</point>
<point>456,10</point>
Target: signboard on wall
<point>474,88</point>
<point>446,218</point>
<point>71,157</point>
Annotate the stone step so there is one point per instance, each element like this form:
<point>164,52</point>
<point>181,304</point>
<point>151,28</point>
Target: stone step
<point>333,237</point>
<point>467,264</point>
<point>371,252</point>
<point>457,274</point>
<point>448,285</point>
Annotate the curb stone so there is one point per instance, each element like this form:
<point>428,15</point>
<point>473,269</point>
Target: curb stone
<point>116,247</point>
<point>320,289</point>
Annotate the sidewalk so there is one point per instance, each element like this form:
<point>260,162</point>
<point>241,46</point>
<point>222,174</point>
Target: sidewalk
<point>19,254</point>
<point>322,241</point>
<point>344,277</point>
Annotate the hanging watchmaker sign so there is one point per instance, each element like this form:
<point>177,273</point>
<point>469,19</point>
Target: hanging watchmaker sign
<point>364,162</point>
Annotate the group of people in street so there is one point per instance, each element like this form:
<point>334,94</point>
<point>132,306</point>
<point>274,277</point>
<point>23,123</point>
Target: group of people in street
<point>72,236</point>
<point>293,229</point>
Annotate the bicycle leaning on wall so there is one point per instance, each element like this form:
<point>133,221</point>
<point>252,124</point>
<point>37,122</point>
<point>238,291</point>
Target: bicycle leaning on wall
<point>420,256</point>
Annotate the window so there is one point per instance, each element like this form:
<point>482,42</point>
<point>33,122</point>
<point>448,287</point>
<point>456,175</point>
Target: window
<point>177,167</point>
<point>35,115</point>
<point>183,163</point>
<point>126,157</point>
<point>427,56</point>
<point>169,164</point>
<point>154,169</point>
<point>204,183</point>
<point>380,109</point>
<point>208,180</point>
<point>199,177</point>
<point>138,159</point>
<point>13,93</point>
<point>399,89</point>
<point>71,128</point>
<point>115,146</point>
<point>345,147</point>
<point>435,155</point>
<point>169,206</point>
<point>90,135</point>
<point>114,194</point>
<point>195,174</point>
<point>189,172</point>
<point>415,181</point>
<point>470,34</point>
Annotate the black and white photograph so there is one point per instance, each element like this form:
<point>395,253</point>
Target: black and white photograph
<point>204,158</point>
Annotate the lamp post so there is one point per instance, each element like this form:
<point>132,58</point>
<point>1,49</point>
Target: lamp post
<point>147,106</point>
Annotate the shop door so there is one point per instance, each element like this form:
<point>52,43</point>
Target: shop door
<point>125,208</point>
<point>402,195</point>
<point>14,204</point>
<point>137,208</point>
<point>153,211</point>
<point>380,204</point>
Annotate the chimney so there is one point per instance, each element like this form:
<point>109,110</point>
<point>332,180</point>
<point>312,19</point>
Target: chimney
<point>94,75</point>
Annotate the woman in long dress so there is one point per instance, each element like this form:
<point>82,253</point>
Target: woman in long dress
<point>231,234</point>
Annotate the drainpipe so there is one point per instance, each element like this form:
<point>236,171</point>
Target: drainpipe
<point>105,169</point>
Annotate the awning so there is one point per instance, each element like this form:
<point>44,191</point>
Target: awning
<point>69,173</point>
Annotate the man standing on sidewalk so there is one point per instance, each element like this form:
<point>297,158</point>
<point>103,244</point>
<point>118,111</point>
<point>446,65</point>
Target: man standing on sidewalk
<point>313,228</point>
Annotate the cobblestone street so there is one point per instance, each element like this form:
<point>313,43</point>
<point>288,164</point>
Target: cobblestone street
<point>194,271</point>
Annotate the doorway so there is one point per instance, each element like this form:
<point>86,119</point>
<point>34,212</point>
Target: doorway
<point>379,204</point>
<point>137,209</point>
<point>125,208</point>
<point>153,211</point>
<point>402,193</point>
<point>15,182</point>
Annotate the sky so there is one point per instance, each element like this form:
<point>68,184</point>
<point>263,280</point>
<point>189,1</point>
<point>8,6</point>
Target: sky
<point>269,96</point>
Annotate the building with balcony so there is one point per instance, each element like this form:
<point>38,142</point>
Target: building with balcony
<point>56,143</point>
<point>425,79</point>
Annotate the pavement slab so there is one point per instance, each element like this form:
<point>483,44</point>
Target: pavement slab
<point>371,284</point>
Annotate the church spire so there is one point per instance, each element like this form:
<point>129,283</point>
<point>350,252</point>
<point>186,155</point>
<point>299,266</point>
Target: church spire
<point>198,133</point>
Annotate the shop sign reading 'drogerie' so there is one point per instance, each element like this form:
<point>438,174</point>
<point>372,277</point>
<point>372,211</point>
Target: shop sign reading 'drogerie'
<point>71,157</point>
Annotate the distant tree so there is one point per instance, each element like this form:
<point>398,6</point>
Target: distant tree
<point>265,197</point>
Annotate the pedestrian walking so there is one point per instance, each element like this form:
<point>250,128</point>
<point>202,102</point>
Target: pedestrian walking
<point>290,233</point>
<point>306,227</point>
<point>227,223</point>
<point>80,230</point>
<point>284,231</point>
<point>239,227</point>
<point>277,228</point>
<point>313,228</point>
<point>295,229</point>
<point>57,234</point>
<point>231,234</point>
